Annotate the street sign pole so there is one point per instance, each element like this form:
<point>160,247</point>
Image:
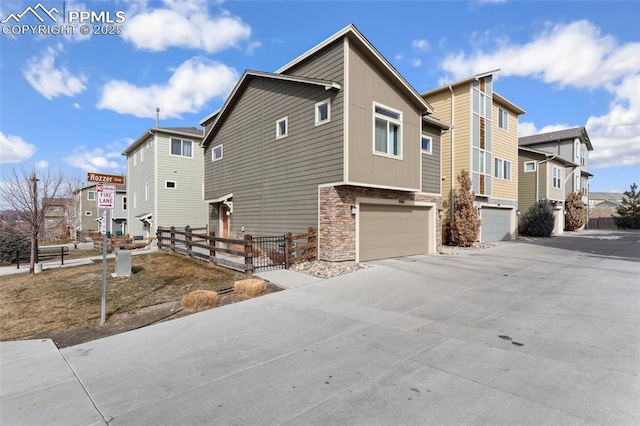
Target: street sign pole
<point>103,308</point>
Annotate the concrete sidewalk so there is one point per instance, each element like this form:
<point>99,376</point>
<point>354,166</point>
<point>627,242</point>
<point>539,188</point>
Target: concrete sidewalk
<point>522,333</point>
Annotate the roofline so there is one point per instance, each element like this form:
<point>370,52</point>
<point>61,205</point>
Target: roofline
<point>583,136</point>
<point>510,104</point>
<point>438,123</point>
<point>153,130</point>
<point>461,82</point>
<point>328,85</point>
<point>549,155</point>
<point>209,117</point>
<point>351,29</point>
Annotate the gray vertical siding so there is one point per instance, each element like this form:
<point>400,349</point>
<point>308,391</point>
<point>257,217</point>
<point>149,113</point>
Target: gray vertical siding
<point>275,182</point>
<point>431,171</point>
<point>137,176</point>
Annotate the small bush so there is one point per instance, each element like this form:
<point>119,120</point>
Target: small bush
<point>466,225</point>
<point>199,300</point>
<point>539,220</point>
<point>250,288</point>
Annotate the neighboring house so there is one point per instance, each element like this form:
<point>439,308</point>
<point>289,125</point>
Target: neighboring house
<point>542,178</point>
<point>56,218</point>
<point>483,141</point>
<point>573,146</point>
<point>164,180</point>
<point>88,218</point>
<point>604,204</point>
<point>336,140</point>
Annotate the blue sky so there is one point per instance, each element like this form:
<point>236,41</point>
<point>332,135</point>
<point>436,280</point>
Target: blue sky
<point>74,103</point>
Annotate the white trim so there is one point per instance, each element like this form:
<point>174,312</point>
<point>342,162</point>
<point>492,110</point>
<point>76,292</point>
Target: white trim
<point>146,191</point>
<point>286,127</point>
<point>219,199</point>
<point>553,177</point>
<point>506,128</point>
<point>504,162</point>
<point>345,109</point>
<point>213,150</point>
<point>398,121</point>
<point>94,195</point>
<point>424,151</point>
<point>181,148</point>
<point>535,167</point>
<point>319,122</point>
<point>370,185</point>
<point>167,182</point>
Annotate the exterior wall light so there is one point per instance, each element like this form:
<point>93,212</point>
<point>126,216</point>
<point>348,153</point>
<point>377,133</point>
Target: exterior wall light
<point>353,210</point>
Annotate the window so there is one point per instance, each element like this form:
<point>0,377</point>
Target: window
<point>91,195</point>
<point>88,213</point>
<point>425,144</point>
<point>124,203</point>
<point>181,147</point>
<point>387,133</point>
<point>141,154</point>
<point>482,111</point>
<point>557,177</point>
<point>322,112</point>
<point>50,221</point>
<point>583,157</point>
<point>169,184</point>
<point>216,153</point>
<point>135,200</point>
<point>502,169</point>
<point>530,166</point>
<point>503,119</point>
<point>482,160</point>
<point>282,128</point>
<point>55,208</point>
<point>146,192</point>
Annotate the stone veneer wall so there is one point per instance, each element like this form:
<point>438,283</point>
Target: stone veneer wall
<point>337,233</point>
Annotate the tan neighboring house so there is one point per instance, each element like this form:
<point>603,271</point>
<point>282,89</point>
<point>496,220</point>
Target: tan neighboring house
<point>337,140</point>
<point>56,219</point>
<point>542,178</point>
<point>483,140</point>
<point>164,180</point>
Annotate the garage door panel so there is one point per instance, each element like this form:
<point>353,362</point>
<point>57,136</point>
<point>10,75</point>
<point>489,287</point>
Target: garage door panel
<point>496,224</point>
<point>392,231</point>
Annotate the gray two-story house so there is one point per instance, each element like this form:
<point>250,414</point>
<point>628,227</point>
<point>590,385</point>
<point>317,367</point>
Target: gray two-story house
<point>336,140</point>
<point>164,180</point>
<point>87,218</point>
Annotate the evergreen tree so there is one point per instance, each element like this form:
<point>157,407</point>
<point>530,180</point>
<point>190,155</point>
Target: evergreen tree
<point>575,212</point>
<point>539,220</point>
<point>466,225</point>
<point>628,212</point>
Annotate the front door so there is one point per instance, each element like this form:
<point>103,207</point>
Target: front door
<point>224,221</point>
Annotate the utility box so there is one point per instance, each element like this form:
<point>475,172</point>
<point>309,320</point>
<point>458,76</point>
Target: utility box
<point>123,263</point>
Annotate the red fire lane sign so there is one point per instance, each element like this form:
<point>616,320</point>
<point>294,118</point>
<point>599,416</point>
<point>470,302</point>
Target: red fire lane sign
<point>105,196</point>
<point>102,178</point>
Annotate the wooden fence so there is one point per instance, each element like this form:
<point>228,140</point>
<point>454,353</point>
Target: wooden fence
<point>601,223</point>
<point>236,253</point>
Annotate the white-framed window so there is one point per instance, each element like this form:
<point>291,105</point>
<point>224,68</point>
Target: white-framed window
<point>135,200</point>
<point>181,147</point>
<point>135,162</point>
<point>583,157</point>
<point>282,127</point>
<point>503,119</point>
<point>502,169</point>
<point>557,177</point>
<point>88,213</point>
<point>577,188</point>
<point>124,203</point>
<point>530,166</point>
<point>323,112</point>
<point>216,153</point>
<point>482,111</point>
<point>170,184</point>
<point>482,161</point>
<point>387,131</point>
<point>577,150</point>
<point>142,154</point>
<point>426,144</point>
<point>146,192</point>
<point>91,195</point>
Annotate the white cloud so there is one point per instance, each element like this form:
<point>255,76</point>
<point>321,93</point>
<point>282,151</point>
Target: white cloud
<point>77,105</point>
<point>420,45</point>
<point>183,23</point>
<point>42,164</point>
<point>51,82</point>
<point>191,86</point>
<point>527,129</point>
<point>575,55</point>
<point>416,62</point>
<point>99,159</point>
<point>14,149</point>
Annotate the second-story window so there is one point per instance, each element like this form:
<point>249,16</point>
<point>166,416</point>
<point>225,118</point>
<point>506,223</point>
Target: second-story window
<point>503,119</point>
<point>557,177</point>
<point>282,127</point>
<point>502,169</point>
<point>181,147</point>
<point>124,203</point>
<point>425,144</point>
<point>91,195</point>
<point>387,133</point>
<point>216,153</point>
<point>583,157</point>
<point>322,112</point>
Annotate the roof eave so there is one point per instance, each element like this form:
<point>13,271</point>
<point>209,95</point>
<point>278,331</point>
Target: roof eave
<point>461,82</point>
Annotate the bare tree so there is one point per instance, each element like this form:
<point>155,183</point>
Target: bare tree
<point>72,189</point>
<point>29,194</point>
<point>466,225</point>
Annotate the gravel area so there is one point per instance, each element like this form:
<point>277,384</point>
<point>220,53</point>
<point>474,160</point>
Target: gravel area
<point>454,250</point>
<point>323,269</point>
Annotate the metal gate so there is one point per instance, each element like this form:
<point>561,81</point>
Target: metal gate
<point>268,253</point>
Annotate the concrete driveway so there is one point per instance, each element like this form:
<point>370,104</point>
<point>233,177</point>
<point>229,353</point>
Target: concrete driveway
<point>536,333</point>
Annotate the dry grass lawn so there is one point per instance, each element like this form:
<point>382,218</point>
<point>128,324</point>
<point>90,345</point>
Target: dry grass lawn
<point>62,298</point>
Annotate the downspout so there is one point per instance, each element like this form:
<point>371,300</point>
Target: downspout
<point>453,129</point>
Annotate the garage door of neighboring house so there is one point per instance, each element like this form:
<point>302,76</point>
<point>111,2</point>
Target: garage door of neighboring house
<point>495,225</point>
<point>392,231</point>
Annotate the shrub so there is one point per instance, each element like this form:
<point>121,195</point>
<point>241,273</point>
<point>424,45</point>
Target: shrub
<point>466,225</point>
<point>575,212</point>
<point>8,246</point>
<point>251,287</point>
<point>199,300</point>
<point>628,212</point>
<point>539,220</point>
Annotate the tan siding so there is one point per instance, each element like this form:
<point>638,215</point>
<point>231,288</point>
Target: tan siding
<point>441,102</point>
<point>526,182</point>
<point>505,146</point>
<point>431,174</point>
<point>366,86</point>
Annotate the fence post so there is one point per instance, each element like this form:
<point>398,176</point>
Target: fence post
<point>159,236</point>
<point>287,250</point>
<point>188,239</point>
<point>18,258</point>
<point>172,240</point>
<point>212,246</point>
<point>311,238</point>
<point>248,254</point>
<point>62,256</point>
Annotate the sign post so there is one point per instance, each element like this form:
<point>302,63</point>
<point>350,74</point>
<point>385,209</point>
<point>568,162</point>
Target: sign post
<point>105,201</point>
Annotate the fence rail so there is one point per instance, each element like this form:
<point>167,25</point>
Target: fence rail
<point>249,254</point>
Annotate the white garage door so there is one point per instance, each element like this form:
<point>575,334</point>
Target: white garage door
<point>495,225</point>
<point>392,231</point>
